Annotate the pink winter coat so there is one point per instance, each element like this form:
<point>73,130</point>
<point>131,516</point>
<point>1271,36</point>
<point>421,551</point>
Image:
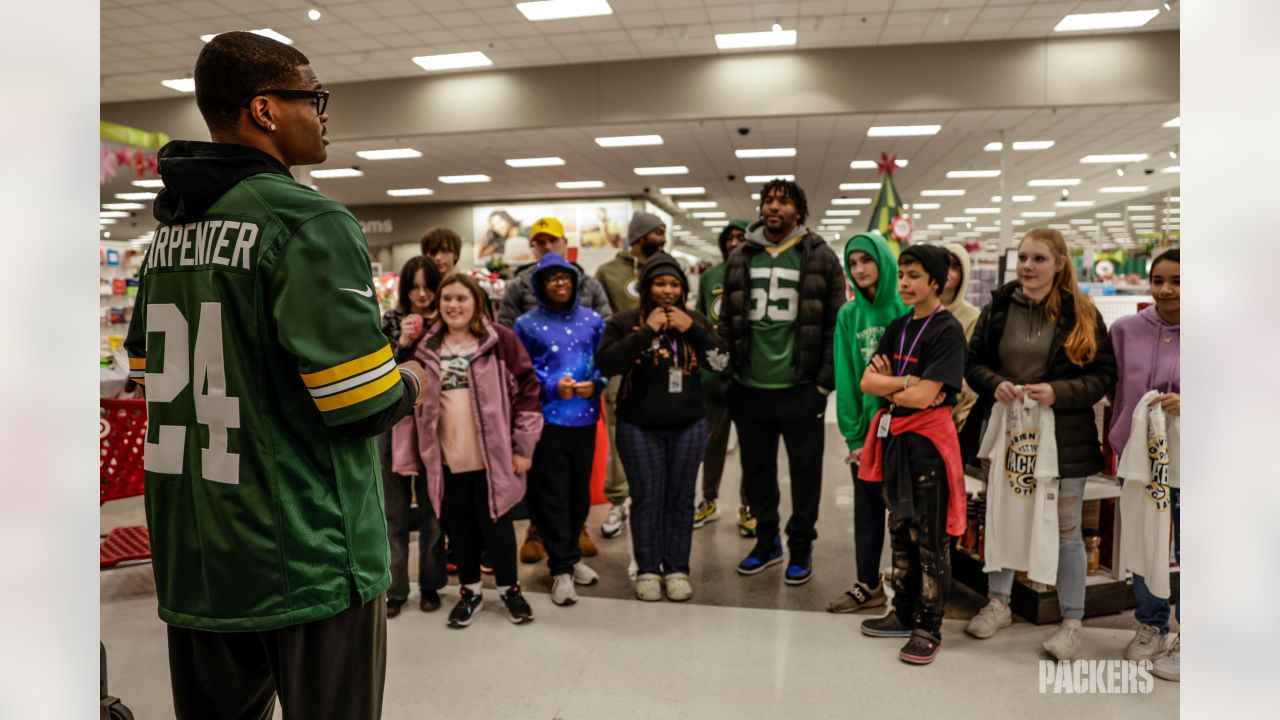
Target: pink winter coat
<point>504,396</point>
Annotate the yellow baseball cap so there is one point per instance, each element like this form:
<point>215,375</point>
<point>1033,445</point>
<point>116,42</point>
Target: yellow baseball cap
<point>546,226</point>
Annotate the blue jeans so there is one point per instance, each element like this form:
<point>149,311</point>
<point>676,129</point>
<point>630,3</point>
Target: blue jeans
<point>1072,564</point>
<point>1152,610</point>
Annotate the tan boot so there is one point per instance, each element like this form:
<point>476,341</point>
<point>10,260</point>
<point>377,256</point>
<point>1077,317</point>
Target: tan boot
<point>532,550</point>
<point>585,545</point>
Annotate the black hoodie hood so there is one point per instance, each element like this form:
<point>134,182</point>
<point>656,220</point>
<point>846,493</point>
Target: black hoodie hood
<point>658,264</point>
<point>196,174</point>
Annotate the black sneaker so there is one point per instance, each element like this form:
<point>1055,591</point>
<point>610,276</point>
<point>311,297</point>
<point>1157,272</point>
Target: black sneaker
<point>430,601</point>
<point>469,604</point>
<point>393,608</point>
<point>517,607</point>
<point>887,626</point>
<point>921,649</point>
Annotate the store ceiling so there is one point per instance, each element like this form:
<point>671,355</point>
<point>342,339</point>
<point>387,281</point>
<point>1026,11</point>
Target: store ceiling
<point>145,42</point>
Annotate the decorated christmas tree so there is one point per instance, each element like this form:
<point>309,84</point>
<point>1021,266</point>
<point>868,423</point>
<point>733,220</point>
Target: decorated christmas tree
<point>888,217</point>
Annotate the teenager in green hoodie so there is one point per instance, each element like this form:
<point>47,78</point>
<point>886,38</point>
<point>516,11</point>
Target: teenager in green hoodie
<point>873,272</point>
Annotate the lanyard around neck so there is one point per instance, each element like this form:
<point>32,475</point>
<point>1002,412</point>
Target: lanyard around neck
<point>902,339</point>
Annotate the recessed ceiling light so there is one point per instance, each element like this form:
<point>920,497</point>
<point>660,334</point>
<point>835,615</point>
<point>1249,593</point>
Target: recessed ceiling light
<point>313,14</point>
<point>1124,189</point>
<point>851,201</point>
<point>580,184</point>
<point>1172,169</point>
<point>1039,214</point>
<point>561,9</point>
<point>1073,203</point>
<point>941,193</point>
<point>872,164</point>
<point>461,179</point>
<point>336,173</point>
<point>844,213</point>
<point>961,219</point>
<point>123,206</point>
<point>767,178</point>
<point>1016,198</point>
<point>180,84</point>
<point>1019,145</point>
<point>628,140</point>
<point>136,196</point>
<point>683,191</point>
<point>942,226</point>
<point>1105,20</point>
<point>153,183</point>
<point>902,130</point>
<point>960,174</point>
<point>534,162</point>
<point>769,38</point>
<point>1121,158</point>
<point>693,204</point>
<point>982,211</point>
<point>665,170</point>
<point>264,32</point>
<point>1055,182</point>
<point>860,186</point>
<point>453,61</point>
<point>710,214</point>
<point>755,196</point>
<point>1176,122</point>
<point>925,206</point>
<point>112,214</point>
<point>765,152</point>
<point>389,154</point>
<point>410,192</point>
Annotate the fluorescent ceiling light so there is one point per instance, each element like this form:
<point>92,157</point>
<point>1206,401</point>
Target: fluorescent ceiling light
<point>961,219</point>
<point>1173,211</point>
<point>389,154</point>
<point>1081,221</point>
<point>902,130</point>
<point>715,214</point>
<point>1122,158</point>
<point>180,84</point>
<point>1055,182</point>
<point>755,196</point>
<point>580,184</point>
<point>460,179</point>
<point>925,206</point>
<point>860,186</point>
<point>767,178</point>
<point>1114,223</point>
<point>692,204</point>
<point>1039,214</point>
<point>982,211</point>
<point>107,221</point>
<point>941,193</point>
<point>156,183</point>
<point>1172,169</point>
<point>122,206</point>
<point>1140,208</point>
<point>1073,203</point>
<point>1020,145</point>
<point>851,201</point>
<point>988,228</point>
<point>1174,198</point>
<point>715,223</point>
<point>1106,215</point>
<point>264,32</point>
<point>1176,122</point>
<point>336,173</point>
<point>683,191</point>
<point>942,226</point>
<point>1016,198</point>
<point>629,140</point>
<point>844,213</point>
<point>410,192</point>
<point>765,152</point>
<point>453,61</point>
<point>112,214</point>
<point>1105,20</point>
<point>534,162</point>
<point>973,173</point>
<point>561,9</point>
<point>1124,189</point>
<point>767,38</point>
<point>1142,218</point>
<point>136,196</point>
<point>834,223</point>
<point>1059,226</point>
<point>667,170</point>
<point>872,164</point>
<point>1018,222</point>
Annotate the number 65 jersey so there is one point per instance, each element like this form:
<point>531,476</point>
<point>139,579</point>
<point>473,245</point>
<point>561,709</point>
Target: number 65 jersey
<point>255,332</point>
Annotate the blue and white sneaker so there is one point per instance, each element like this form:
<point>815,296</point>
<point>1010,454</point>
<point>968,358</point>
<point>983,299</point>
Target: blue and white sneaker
<point>799,570</point>
<point>759,559</point>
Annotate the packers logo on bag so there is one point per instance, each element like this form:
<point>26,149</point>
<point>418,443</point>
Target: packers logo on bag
<point>1158,488</point>
<point>1020,462</point>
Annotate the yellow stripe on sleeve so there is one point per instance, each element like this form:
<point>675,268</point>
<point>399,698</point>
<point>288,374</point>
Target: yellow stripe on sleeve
<point>348,369</point>
<point>137,363</point>
<point>358,394</point>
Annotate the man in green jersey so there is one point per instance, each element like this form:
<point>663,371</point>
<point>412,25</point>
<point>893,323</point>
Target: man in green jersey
<point>782,290</point>
<point>256,336</point>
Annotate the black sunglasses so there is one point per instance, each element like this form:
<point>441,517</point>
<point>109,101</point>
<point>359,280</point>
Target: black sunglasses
<point>319,97</point>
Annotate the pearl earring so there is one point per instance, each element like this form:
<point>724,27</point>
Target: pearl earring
<point>273,127</point>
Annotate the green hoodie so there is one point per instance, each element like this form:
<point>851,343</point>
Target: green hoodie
<point>859,326</point>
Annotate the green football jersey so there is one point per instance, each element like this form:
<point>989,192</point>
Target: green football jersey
<point>255,330</point>
<point>775,304</point>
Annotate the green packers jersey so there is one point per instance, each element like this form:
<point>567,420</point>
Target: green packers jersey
<point>775,304</point>
<point>710,294</point>
<point>255,330</point>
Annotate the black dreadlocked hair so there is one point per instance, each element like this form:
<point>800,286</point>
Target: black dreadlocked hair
<point>234,65</point>
<point>790,190</point>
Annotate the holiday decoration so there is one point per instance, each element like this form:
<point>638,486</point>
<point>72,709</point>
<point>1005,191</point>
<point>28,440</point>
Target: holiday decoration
<point>887,209</point>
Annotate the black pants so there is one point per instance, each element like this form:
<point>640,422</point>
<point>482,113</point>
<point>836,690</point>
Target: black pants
<point>559,493</point>
<point>719,425</point>
<point>868,528</point>
<point>795,416</point>
<point>332,668</point>
<point>920,544</point>
<point>472,530</point>
<point>398,491</point>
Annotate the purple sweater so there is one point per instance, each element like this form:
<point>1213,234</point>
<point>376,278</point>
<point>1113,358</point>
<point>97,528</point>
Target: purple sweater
<point>1147,353</point>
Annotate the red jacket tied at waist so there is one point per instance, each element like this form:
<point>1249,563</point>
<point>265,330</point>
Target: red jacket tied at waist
<point>936,426</point>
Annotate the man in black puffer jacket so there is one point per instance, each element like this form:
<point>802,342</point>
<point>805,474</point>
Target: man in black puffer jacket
<point>782,289</point>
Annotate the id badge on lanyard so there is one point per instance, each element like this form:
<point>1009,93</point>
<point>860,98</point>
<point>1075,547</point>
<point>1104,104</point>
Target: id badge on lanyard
<point>882,431</point>
<point>675,381</point>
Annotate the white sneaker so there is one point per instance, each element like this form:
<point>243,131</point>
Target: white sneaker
<point>649,587</point>
<point>678,587</point>
<point>583,575</point>
<point>1145,645</point>
<point>632,569</point>
<point>1169,665</point>
<point>562,592</point>
<point>613,524</point>
<point>993,616</point>
<point>1064,644</point>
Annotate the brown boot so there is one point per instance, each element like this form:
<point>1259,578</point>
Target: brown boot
<point>532,550</point>
<point>585,546</point>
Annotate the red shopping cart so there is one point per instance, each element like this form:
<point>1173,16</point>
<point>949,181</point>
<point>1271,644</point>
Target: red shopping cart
<point>122,430</point>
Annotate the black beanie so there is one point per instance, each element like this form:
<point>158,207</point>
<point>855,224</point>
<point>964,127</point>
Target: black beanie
<point>935,260</point>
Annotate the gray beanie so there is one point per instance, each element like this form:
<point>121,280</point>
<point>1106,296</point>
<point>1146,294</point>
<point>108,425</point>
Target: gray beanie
<point>641,224</point>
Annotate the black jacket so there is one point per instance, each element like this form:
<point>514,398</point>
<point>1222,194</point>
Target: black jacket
<point>822,293</point>
<point>1077,388</point>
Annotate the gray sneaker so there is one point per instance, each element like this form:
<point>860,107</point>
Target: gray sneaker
<point>993,616</point>
<point>1168,665</point>
<point>614,523</point>
<point>562,592</point>
<point>1064,644</point>
<point>1145,645</point>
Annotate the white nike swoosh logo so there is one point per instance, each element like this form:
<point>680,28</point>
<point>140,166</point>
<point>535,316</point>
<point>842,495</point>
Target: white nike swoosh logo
<point>366,292</point>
